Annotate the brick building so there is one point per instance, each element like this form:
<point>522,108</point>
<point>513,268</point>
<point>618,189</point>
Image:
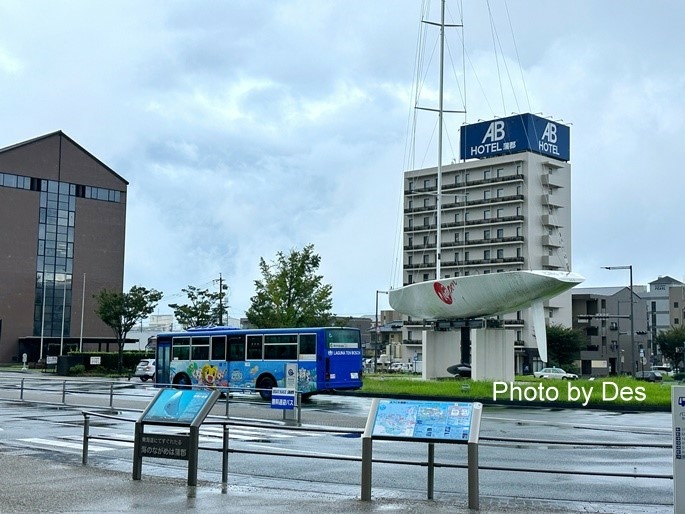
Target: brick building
<point>63,215</point>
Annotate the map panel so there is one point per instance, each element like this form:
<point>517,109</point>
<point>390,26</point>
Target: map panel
<point>423,419</point>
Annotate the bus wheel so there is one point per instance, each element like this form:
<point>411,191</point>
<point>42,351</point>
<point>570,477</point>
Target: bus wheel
<point>182,381</point>
<point>265,385</point>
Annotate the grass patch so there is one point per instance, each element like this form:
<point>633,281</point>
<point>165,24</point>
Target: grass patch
<point>609,392</point>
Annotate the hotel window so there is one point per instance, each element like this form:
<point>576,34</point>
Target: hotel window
<point>486,214</point>
<point>486,255</point>
<point>500,192</point>
<point>500,253</point>
<point>486,234</point>
<point>486,194</point>
<point>500,213</point>
<point>486,175</point>
<point>500,233</point>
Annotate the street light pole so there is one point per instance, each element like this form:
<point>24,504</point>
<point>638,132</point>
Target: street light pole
<point>377,330</point>
<point>632,317</point>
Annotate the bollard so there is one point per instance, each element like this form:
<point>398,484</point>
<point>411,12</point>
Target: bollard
<point>224,460</point>
<point>86,434</point>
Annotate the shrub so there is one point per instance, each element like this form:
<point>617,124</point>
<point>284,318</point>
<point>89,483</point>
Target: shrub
<point>78,369</point>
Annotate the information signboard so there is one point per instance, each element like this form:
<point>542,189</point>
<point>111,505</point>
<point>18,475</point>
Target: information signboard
<point>165,446</point>
<point>179,406</point>
<point>678,415</point>
<point>422,420</point>
<point>283,398</point>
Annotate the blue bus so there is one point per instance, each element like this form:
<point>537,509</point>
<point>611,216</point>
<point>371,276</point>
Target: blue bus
<point>326,359</point>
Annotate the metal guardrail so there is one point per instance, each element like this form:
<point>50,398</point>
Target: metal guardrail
<point>57,391</point>
<point>225,449</point>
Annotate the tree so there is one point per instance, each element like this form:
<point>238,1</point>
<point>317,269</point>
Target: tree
<point>564,345</point>
<point>290,293</point>
<point>671,344</point>
<point>206,308</point>
<point>121,311</point>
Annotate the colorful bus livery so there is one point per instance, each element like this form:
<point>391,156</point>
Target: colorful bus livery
<point>324,359</point>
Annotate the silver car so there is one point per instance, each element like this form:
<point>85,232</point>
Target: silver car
<point>557,373</point>
<point>145,369</point>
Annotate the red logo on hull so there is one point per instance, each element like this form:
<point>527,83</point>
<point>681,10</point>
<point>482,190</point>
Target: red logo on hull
<point>445,293</point>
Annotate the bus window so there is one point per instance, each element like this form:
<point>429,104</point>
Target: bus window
<point>219,348</point>
<point>280,352</point>
<point>181,348</point>
<point>236,348</point>
<point>200,353</point>
<point>181,352</point>
<point>307,344</point>
<point>254,347</point>
<point>200,348</point>
<point>280,347</point>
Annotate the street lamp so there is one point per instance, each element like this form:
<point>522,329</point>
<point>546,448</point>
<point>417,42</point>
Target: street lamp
<point>375,344</point>
<point>632,326</point>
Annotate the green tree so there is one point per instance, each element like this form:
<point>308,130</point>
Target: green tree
<point>564,344</point>
<point>121,311</point>
<point>291,294</point>
<point>205,308</point>
<point>671,343</point>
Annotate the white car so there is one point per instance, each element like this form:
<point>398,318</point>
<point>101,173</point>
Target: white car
<point>145,369</point>
<point>399,367</point>
<point>557,373</point>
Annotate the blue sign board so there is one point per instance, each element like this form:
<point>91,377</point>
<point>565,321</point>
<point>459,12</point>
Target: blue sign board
<point>283,398</point>
<point>516,134</point>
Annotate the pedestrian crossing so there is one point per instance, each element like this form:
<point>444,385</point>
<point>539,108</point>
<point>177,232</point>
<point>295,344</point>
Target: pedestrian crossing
<point>117,440</point>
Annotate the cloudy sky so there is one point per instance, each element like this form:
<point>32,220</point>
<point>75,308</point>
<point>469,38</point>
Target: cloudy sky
<point>249,127</point>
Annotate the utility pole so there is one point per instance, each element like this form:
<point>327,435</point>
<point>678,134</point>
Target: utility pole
<point>222,288</point>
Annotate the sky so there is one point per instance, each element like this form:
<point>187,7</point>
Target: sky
<point>249,127</point>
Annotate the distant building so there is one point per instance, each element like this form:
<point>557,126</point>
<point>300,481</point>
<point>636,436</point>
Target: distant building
<point>63,228</point>
<point>603,315</point>
<point>659,304</point>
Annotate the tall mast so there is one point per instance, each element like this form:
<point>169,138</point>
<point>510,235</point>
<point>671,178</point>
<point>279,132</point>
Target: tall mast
<point>438,197</point>
<point>441,111</point>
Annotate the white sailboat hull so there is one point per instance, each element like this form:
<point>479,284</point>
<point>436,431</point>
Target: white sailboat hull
<point>476,296</point>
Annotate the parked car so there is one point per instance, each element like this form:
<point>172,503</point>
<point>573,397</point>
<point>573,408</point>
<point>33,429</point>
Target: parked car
<point>462,370</point>
<point>399,367</point>
<point>649,376</point>
<point>664,370</point>
<point>556,373</point>
<point>145,369</point>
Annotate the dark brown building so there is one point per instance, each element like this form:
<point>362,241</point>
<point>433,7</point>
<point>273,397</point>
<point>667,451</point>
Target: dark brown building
<point>62,230</point>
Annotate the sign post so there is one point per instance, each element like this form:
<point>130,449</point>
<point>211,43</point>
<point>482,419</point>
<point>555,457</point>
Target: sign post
<point>423,421</point>
<point>178,408</point>
<point>678,414</point>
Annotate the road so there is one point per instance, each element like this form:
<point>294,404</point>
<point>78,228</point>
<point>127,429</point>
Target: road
<point>57,432</point>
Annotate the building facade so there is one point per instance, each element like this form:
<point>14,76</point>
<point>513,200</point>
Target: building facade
<point>63,225</point>
<point>503,213</point>
<point>603,314</point>
<point>659,305</point>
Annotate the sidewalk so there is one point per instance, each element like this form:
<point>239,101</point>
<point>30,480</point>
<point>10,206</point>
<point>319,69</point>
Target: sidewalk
<point>33,484</point>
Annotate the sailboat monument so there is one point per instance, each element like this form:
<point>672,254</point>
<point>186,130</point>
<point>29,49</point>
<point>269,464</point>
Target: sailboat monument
<point>540,150</point>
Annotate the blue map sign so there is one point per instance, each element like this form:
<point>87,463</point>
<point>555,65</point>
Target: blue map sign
<point>415,419</point>
<point>516,134</point>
